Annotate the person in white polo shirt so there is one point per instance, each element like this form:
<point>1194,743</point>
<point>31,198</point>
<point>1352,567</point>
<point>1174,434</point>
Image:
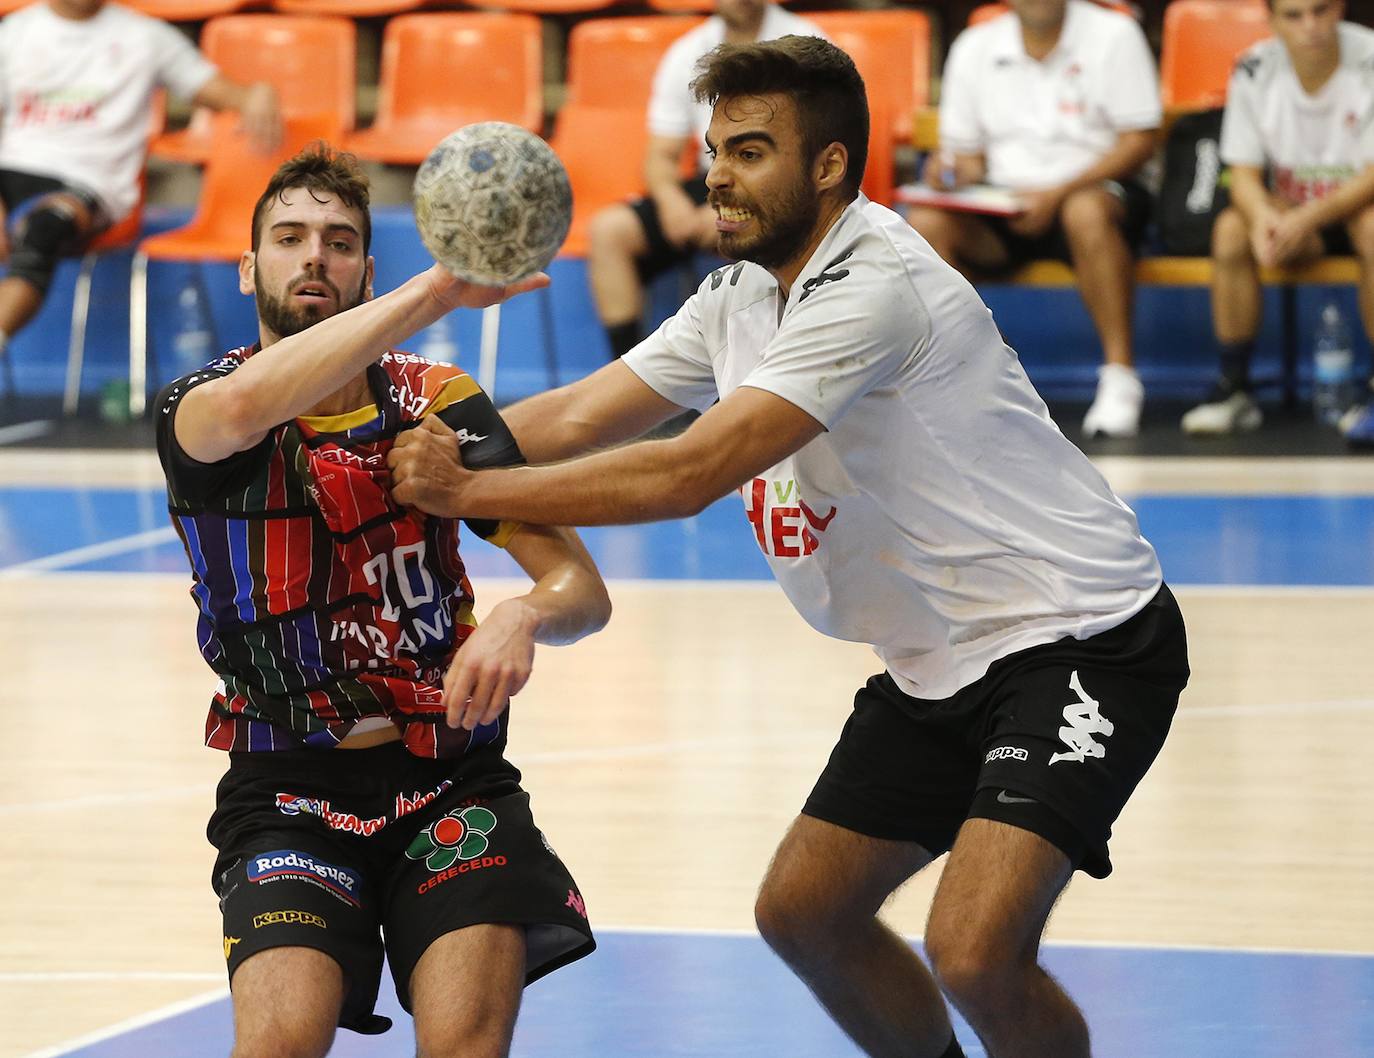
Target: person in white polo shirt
<point>76,86</point>
<point>910,491</point>
<point>1058,100</point>
<point>1298,138</point>
<point>632,242</point>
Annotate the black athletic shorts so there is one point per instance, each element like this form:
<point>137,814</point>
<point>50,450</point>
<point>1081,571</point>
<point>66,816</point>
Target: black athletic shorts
<point>350,851</point>
<point>1053,244</point>
<point>662,254</point>
<point>1052,739</point>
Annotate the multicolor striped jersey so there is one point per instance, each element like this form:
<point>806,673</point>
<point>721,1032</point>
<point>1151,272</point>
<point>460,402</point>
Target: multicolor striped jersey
<point>321,601</point>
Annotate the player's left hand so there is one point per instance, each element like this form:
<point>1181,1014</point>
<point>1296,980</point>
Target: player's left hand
<point>1290,236</point>
<point>493,664</point>
<point>425,469</point>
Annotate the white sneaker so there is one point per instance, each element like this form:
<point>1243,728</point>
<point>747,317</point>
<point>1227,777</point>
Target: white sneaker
<point>1115,410</point>
<point>1224,412</point>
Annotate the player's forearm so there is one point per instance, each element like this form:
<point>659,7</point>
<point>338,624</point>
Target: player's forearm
<point>1341,204</point>
<point>565,604</point>
<point>1248,193</point>
<point>642,482</point>
<point>662,176</point>
<point>291,376</point>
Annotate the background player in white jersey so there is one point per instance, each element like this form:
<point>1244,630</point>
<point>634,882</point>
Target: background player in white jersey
<point>910,491</point>
<point>76,86</point>
<point>1300,107</point>
<point>631,242</point>
<point>1058,100</point>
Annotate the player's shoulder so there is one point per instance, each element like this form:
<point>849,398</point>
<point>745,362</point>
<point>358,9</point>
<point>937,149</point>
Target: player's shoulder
<point>1357,46</point>
<point>869,267</point>
<point>1259,63</point>
<point>423,386</point>
<point>1104,24</point>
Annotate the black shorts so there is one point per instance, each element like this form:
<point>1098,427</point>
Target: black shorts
<point>18,188</point>
<point>1053,245</point>
<point>353,851</point>
<point>1052,739</point>
<point>663,255</point>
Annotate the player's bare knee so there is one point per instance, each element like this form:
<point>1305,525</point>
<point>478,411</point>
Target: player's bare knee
<point>285,1039</point>
<point>1089,215</point>
<point>613,233</point>
<point>1361,228</point>
<point>1230,237</point>
<point>465,1035</point>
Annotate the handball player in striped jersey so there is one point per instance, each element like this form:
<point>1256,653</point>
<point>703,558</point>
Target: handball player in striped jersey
<point>368,807</point>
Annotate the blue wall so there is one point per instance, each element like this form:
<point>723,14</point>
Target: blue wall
<point>1050,329</point>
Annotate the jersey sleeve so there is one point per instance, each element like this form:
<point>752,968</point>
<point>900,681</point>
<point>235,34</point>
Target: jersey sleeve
<point>1241,140</point>
<point>849,334</point>
<point>484,441</point>
<point>1132,90</point>
<point>675,361</point>
<point>960,129</point>
<point>190,481</point>
<point>181,68</point>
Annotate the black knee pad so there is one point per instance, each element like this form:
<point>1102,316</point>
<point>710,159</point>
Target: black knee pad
<point>41,237</point>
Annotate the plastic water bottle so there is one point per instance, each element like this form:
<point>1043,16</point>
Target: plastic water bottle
<point>1333,386</point>
<point>192,344</point>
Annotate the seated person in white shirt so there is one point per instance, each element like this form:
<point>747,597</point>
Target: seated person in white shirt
<point>1298,139</point>
<point>1059,100</point>
<point>632,242</point>
<point>76,85</point>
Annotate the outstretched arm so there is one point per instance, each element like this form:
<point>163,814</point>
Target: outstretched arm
<point>256,105</point>
<point>568,601</point>
<point>745,434</point>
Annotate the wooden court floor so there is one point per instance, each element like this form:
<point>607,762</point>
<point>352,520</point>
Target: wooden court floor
<point>665,756</point>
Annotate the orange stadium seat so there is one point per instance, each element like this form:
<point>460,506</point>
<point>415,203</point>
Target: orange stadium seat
<point>1201,41</point>
<point>422,51</point>
<point>600,133</point>
<point>234,177</point>
<point>190,10</point>
<point>891,48</point>
<point>312,62</point>
<point>548,7</point>
<point>684,7</point>
<point>349,8</point>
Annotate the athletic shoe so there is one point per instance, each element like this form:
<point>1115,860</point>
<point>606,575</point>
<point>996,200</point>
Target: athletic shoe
<point>1225,411</point>
<point>1357,426</point>
<point>1115,410</point>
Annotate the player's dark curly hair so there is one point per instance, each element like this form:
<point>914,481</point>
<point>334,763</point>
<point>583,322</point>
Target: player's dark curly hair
<point>829,95</point>
<point>320,168</point>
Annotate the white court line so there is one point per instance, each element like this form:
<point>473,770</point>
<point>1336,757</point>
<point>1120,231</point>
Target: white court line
<point>130,1024</point>
<point>24,431</point>
<point>91,552</point>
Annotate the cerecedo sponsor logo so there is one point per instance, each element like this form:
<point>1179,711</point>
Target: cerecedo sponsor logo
<point>287,918</point>
<point>460,868</point>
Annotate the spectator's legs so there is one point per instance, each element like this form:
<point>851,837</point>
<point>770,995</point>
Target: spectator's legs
<point>1236,306</point>
<point>20,301</point>
<point>616,242</point>
<point>1361,229</point>
<point>818,909</point>
<point>961,239</point>
<point>1105,269</point>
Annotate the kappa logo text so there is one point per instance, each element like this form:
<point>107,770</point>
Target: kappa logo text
<point>1003,752</point>
<point>288,918</point>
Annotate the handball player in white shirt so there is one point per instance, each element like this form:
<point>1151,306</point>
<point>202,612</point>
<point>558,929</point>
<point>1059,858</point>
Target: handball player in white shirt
<point>910,491</point>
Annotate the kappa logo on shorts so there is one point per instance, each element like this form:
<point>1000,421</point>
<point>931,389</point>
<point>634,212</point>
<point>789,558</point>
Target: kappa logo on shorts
<point>289,918</point>
<point>287,863</point>
<point>460,835</point>
<point>1084,721</point>
<point>1005,752</point>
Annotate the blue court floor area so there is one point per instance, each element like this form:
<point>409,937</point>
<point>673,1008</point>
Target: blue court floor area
<point>699,995</point>
<point>1201,539</point>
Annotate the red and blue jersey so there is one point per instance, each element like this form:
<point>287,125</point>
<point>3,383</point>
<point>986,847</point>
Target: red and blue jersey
<point>323,602</point>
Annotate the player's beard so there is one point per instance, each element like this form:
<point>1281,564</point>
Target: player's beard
<point>778,232</point>
<point>285,316</point>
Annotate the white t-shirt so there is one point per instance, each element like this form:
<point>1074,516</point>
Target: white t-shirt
<point>77,95</point>
<point>942,518</point>
<point>672,110</point>
<point>1311,143</point>
<point>1040,123</point>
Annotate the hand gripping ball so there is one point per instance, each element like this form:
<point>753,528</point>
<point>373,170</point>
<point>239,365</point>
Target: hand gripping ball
<point>493,203</point>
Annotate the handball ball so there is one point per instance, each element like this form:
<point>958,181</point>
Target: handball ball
<point>492,203</point>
